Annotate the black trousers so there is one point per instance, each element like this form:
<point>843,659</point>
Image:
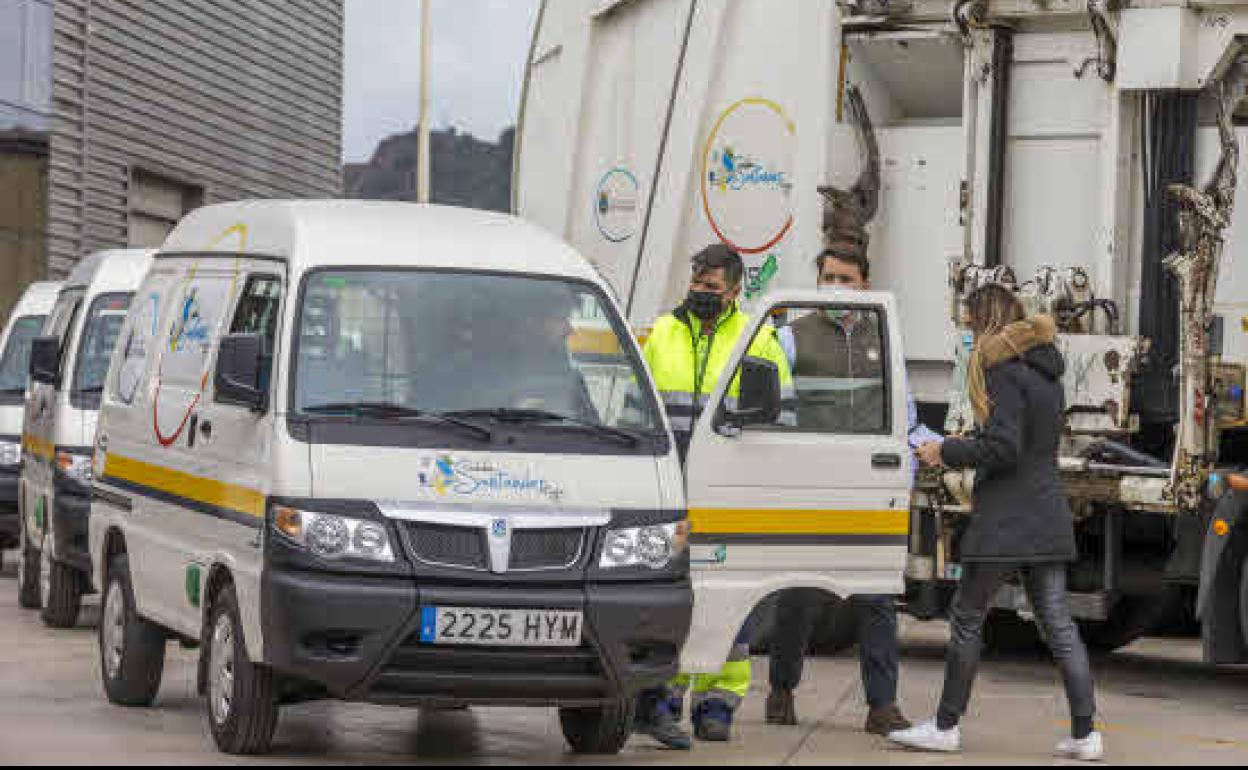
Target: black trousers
<point>1046,590</point>
<point>798,610</point>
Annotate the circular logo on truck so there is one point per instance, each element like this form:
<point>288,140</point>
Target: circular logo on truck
<point>617,205</point>
<point>747,175</point>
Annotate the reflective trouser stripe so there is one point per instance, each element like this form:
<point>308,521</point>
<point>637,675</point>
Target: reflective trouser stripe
<point>729,685</point>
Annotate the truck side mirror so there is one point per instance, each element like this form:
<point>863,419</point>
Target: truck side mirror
<point>759,400</point>
<point>237,380</point>
<point>45,360</point>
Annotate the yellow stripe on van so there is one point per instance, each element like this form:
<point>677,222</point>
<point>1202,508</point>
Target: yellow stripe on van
<point>793,521</point>
<point>195,488</point>
<point>39,447</point>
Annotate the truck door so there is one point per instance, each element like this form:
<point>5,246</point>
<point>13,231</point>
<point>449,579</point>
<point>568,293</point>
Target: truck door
<point>816,497</point>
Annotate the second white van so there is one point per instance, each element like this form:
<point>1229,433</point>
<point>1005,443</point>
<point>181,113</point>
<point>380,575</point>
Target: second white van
<point>68,364</point>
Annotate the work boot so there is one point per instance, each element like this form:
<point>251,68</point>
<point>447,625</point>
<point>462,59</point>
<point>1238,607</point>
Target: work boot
<point>780,708</point>
<point>712,721</point>
<point>882,720</point>
<point>659,718</point>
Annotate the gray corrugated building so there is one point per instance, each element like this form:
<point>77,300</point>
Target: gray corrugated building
<point>154,107</point>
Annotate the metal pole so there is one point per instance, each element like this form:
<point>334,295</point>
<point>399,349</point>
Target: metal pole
<point>422,157</point>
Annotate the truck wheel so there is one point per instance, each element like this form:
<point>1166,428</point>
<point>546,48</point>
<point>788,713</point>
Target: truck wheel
<point>1130,619</point>
<point>64,597</point>
<point>242,698</point>
<point>28,567</point>
<point>602,730</point>
<point>132,650</point>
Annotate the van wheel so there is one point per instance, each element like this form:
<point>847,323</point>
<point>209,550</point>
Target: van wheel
<point>242,702</point>
<point>602,730</point>
<point>132,650</point>
<point>64,596</point>
<point>28,566</point>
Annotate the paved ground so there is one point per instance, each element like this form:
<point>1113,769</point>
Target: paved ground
<point>1158,704</point>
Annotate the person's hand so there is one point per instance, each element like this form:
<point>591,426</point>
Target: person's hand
<point>929,453</point>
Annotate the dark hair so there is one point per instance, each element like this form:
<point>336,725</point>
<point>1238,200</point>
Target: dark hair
<point>718,256</point>
<point>847,254</point>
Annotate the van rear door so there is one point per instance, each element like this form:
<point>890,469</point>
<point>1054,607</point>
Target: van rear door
<point>817,498</point>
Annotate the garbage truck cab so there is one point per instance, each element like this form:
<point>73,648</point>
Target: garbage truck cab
<point>411,455</point>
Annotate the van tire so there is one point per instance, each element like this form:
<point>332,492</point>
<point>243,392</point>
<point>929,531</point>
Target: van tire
<point>601,730</point>
<point>64,599</point>
<point>134,678</point>
<point>28,567</point>
<point>250,713</point>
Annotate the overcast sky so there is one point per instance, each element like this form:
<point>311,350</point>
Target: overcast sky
<point>477,49</point>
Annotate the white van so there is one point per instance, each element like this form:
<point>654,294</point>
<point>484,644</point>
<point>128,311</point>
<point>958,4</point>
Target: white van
<point>24,325</point>
<point>68,364</point>
<point>410,455</point>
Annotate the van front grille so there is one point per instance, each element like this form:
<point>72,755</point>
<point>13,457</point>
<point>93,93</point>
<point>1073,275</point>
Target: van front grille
<point>447,546</point>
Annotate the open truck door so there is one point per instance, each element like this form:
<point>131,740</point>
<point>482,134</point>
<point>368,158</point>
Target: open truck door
<point>802,483</point>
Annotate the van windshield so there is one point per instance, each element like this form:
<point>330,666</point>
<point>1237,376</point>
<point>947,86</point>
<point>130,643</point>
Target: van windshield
<point>531,354</point>
<point>99,336</point>
<point>15,362</point>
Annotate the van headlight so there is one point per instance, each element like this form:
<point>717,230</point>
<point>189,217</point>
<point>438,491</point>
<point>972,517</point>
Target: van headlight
<point>654,546</point>
<point>334,537</point>
<point>75,466</point>
<point>10,453</point>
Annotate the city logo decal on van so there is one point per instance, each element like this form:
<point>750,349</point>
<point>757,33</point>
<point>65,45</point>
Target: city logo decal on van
<point>446,476</point>
<point>189,326</point>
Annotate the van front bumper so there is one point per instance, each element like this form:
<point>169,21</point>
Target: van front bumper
<point>358,638</point>
<point>71,510</point>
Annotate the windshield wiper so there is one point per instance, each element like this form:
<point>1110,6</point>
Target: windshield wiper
<point>391,411</point>
<point>503,414</point>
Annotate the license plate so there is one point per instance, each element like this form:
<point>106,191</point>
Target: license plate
<point>519,628</point>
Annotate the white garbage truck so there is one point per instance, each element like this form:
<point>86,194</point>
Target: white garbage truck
<point>1085,152</point>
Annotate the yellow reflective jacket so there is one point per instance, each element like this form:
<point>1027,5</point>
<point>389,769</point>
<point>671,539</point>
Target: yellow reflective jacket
<point>686,364</point>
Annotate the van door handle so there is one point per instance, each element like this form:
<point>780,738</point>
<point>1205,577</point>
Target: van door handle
<point>886,461</point>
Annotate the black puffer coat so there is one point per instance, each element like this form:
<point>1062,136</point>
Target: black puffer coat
<point>1021,510</point>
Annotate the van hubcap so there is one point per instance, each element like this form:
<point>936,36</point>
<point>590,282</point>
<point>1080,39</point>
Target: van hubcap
<point>221,679</point>
<point>113,629</point>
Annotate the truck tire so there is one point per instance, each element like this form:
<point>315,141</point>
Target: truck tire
<point>28,567</point>
<point>132,650</point>
<point>1130,619</point>
<point>64,599</point>
<point>602,730</point>
<point>242,696</point>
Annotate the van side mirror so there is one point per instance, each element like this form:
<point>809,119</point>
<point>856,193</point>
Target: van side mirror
<point>45,360</point>
<point>759,399</point>
<point>237,381</point>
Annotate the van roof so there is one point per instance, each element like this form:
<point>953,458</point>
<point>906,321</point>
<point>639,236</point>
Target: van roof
<point>318,233</point>
<point>126,268</point>
<point>38,298</point>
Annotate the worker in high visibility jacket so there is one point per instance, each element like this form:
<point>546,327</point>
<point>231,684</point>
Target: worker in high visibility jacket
<point>687,352</point>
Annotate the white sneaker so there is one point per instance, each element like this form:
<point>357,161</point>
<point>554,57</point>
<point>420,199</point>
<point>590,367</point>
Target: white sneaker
<point>926,736</point>
<point>1089,749</point>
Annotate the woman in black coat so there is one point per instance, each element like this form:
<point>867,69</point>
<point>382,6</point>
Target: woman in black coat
<point>1022,520</point>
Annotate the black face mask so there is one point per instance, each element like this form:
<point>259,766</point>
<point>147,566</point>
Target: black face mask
<point>706,305</point>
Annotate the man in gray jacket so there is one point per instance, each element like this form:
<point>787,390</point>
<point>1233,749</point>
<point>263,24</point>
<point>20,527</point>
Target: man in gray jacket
<point>846,347</point>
